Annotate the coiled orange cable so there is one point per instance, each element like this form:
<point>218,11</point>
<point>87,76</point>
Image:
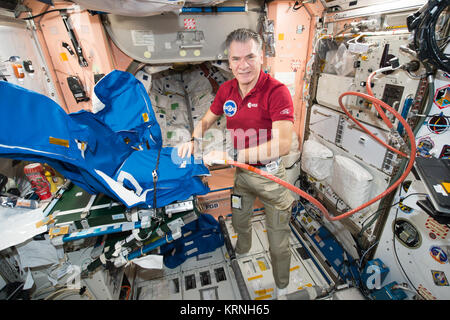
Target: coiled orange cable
<point>381,195</point>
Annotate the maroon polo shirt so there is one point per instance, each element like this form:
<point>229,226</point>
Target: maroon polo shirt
<point>250,119</point>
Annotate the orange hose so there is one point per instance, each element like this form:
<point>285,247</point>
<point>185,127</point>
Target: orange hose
<point>383,194</point>
<point>363,127</point>
<point>283,183</point>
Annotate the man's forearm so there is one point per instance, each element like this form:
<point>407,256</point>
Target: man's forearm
<point>204,124</point>
<point>265,152</point>
<point>199,129</point>
<point>279,145</point>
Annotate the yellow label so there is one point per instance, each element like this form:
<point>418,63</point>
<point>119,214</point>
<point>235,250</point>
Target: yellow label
<point>446,186</point>
<point>309,285</point>
<point>263,291</point>
<point>397,27</point>
<point>145,117</point>
<point>255,277</point>
<point>281,36</point>
<point>53,232</point>
<point>268,296</point>
<point>46,220</point>
<point>59,142</point>
<point>294,268</point>
<point>63,56</point>
<point>262,265</point>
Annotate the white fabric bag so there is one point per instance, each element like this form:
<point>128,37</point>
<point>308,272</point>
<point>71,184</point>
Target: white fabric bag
<point>351,182</point>
<point>317,160</point>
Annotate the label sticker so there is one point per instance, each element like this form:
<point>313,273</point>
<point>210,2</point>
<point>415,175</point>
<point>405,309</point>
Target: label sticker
<point>189,24</point>
<point>63,56</point>
<point>424,146</point>
<point>442,97</point>
<point>425,293</point>
<point>405,208</point>
<point>213,205</point>
<point>236,201</point>
<point>272,167</point>
<point>438,229</point>
<point>445,152</point>
<point>438,254</point>
<point>229,108</point>
<point>59,142</point>
<point>143,38</point>
<point>439,278</point>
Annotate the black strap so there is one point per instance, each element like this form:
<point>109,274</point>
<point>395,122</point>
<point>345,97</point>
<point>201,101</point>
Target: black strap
<point>155,178</point>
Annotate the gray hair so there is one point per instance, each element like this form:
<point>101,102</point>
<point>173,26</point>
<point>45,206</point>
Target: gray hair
<point>243,35</point>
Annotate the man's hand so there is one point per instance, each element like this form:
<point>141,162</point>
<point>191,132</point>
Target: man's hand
<point>214,156</point>
<point>186,149</point>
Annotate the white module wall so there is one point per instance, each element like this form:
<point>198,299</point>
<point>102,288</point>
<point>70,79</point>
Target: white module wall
<point>184,37</point>
<point>17,39</point>
<point>418,256</point>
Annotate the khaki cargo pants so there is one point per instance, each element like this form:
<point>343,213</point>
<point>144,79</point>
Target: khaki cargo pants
<point>277,202</point>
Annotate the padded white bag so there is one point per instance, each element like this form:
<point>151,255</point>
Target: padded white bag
<point>351,182</point>
<point>317,160</point>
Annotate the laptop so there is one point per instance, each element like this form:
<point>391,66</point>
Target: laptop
<point>435,174</point>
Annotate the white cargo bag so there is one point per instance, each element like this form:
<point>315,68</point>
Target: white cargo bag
<point>317,160</point>
<point>351,182</point>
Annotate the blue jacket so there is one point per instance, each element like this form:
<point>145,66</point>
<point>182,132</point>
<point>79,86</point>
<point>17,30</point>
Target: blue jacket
<point>113,151</point>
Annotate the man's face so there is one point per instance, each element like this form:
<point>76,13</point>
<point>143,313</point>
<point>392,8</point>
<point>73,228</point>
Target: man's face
<point>245,61</point>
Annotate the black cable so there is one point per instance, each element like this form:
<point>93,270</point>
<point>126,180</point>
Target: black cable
<point>45,12</point>
<point>297,5</point>
<point>401,199</point>
<point>423,23</point>
<point>376,215</point>
<point>395,250</point>
<point>398,260</point>
<point>296,161</point>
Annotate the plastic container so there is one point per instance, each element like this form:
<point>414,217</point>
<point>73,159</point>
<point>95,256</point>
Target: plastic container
<point>38,180</point>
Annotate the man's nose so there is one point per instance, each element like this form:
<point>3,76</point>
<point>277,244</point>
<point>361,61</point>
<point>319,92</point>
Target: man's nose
<point>243,64</point>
